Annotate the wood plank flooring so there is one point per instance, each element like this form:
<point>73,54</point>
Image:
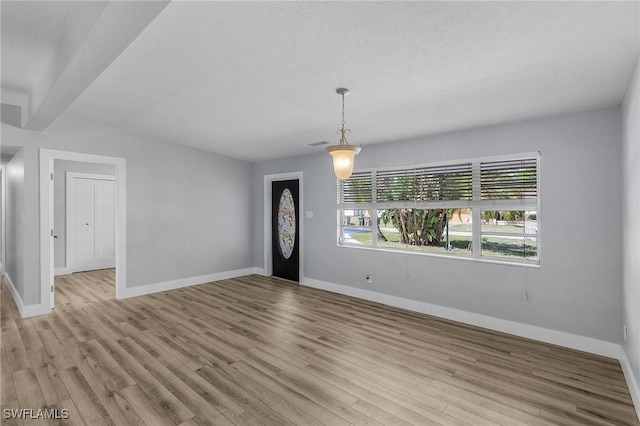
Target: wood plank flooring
<point>78,290</point>
<point>259,351</point>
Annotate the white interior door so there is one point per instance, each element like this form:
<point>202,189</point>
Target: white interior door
<point>90,222</point>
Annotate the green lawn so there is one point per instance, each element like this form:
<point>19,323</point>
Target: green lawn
<point>459,244</point>
<point>491,246</point>
<point>504,247</point>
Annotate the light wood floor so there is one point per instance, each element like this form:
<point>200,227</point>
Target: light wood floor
<point>258,351</point>
<point>79,290</point>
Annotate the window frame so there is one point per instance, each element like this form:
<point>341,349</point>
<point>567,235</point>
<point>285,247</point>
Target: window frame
<point>476,204</point>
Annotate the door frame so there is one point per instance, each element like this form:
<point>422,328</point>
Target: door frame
<point>71,215</point>
<point>3,212</point>
<point>47,157</point>
<point>268,260</point>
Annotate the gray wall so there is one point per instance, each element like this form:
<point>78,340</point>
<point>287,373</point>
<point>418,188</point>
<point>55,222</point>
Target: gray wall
<point>15,227</point>
<point>577,288</point>
<point>60,168</point>
<point>189,212</point>
<point>631,222</point>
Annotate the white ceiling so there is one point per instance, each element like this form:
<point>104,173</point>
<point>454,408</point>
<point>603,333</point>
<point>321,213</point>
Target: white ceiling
<point>257,80</point>
<point>30,31</point>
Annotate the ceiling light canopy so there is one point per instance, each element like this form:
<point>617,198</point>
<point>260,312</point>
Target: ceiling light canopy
<point>343,154</point>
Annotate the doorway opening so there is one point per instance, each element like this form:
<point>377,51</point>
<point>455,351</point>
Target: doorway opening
<point>84,231</point>
<point>82,227</point>
<point>7,154</point>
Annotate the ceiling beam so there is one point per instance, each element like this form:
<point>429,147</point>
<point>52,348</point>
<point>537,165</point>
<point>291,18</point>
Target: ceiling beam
<point>95,35</point>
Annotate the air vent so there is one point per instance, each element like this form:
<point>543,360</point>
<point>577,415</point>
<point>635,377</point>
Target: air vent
<point>319,143</point>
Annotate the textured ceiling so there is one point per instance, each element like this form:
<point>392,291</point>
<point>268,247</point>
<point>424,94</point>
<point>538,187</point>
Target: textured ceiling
<point>256,80</point>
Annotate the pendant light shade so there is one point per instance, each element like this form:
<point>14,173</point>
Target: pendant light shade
<point>343,154</point>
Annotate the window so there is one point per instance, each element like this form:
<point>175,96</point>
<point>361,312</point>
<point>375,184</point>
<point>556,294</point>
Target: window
<point>483,208</point>
<point>509,234</point>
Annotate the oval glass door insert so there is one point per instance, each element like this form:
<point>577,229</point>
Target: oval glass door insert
<point>286,224</point>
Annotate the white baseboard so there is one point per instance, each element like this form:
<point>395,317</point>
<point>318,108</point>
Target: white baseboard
<point>259,271</point>
<point>184,282</point>
<point>25,310</point>
<point>560,338</point>
<point>632,383</point>
<point>63,270</point>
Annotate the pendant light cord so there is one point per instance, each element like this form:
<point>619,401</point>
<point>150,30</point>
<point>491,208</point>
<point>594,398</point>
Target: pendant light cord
<point>343,132</point>
<point>342,94</point>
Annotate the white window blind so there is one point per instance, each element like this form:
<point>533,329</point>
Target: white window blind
<point>357,189</point>
<point>436,183</point>
<point>509,180</point>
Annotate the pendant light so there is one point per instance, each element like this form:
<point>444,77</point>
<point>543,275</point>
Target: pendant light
<point>343,153</point>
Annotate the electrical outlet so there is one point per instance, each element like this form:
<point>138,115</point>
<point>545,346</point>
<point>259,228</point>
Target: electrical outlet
<point>368,278</point>
<point>624,332</point>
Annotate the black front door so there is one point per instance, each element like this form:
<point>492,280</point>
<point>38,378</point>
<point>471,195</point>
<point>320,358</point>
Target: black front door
<point>285,227</point>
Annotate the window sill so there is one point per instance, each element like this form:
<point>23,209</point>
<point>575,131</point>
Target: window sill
<point>490,260</point>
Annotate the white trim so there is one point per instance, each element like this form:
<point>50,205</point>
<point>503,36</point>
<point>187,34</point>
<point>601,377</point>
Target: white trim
<point>540,226</point>
<point>560,338</point>
<point>25,310</point>
<point>632,383</point>
<point>185,282</point>
<point>3,213</point>
<point>47,157</point>
<point>71,200</point>
<point>268,261</point>
<point>93,176</point>
<point>63,270</point>
<point>486,259</point>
